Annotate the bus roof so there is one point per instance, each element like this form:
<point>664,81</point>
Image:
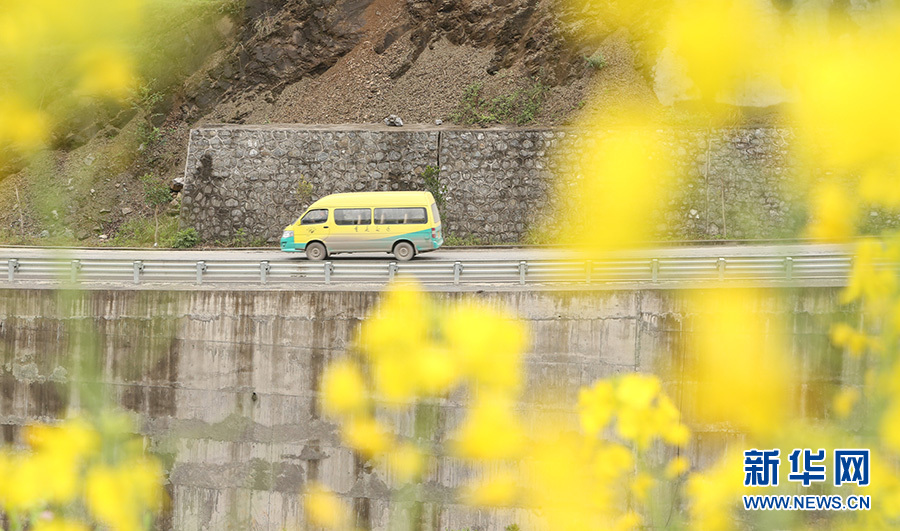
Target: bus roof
<point>375,199</point>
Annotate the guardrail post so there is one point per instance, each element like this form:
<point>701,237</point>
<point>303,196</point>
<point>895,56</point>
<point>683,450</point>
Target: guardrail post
<point>523,268</point>
<point>263,271</point>
<point>588,269</point>
<point>457,270</point>
<point>654,270</point>
<point>76,267</point>
<point>13,265</point>
<point>329,268</point>
<point>789,268</point>
<point>720,265</point>
<point>392,270</point>
<point>201,268</point>
<point>138,269</point>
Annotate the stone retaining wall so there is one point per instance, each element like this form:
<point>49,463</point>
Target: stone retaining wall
<point>244,179</point>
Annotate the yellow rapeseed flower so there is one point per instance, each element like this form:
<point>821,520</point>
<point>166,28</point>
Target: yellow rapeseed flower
<point>844,401</point>
<point>741,369</point>
<point>845,107</point>
<point>499,489</point>
<point>596,405</point>
<point>641,486</point>
<point>108,497</point>
<point>490,430</point>
<point>724,44</point>
<point>435,370</point>
<point>323,508</point>
<point>59,524</point>
<point>21,126</point>
<point>343,389</point>
<point>488,344</point>
<point>612,461</point>
<point>25,477</point>
<point>637,391</point>
<point>107,72</point>
<point>715,492</point>
<point>366,435</point>
<point>614,181</point>
<point>890,426</point>
<point>834,213</point>
<point>398,326</point>
<point>676,467</point>
<point>406,461</point>
<point>868,281</point>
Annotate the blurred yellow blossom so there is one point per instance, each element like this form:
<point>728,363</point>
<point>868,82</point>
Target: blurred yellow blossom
<point>614,181</point>
<point>637,391</point>
<point>724,44</point>
<point>399,324</point>
<point>59,524</point>
<point>53,52</point>
<point>834,213</point>
<point>869,280</point>
<point>496,490</point>
<point>676,467</point>
<point>366,435</point>
<point>107,72</point>
<point>406,461</point>
<point>740,365</point>
<point>843,335</point>
<point>488,344</point>
<point>23,128</point>
<point>643,412</point>
<point>641,486</point>
<point>23,485</point>
<point>845,105</point>
<point>491,429</point>
<point>612,461</point>
<point>845,400</point>
<point>596,405</point>
<point>324,509</point>
<point>714,493</point>
<point>343,389</point>
<point>119,496</point>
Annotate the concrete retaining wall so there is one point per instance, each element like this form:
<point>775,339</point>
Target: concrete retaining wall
<point>225,382</point>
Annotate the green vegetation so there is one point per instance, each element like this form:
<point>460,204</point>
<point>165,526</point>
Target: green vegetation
<point>144,232</point>
<point>186,238</point>
<point>145,97</point>
<point>431,175</point>
<point>149,134</point>
<point>596,61</point>
<point>520,107</point>
<point>304,191</point>
<point>242,239</point>
<point>456,241</point>
<point>157,194</point>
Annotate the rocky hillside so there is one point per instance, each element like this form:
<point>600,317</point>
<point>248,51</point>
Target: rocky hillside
<point>472,62</point>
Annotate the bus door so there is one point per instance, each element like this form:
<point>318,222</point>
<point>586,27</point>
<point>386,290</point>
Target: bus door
<point>315,225</point>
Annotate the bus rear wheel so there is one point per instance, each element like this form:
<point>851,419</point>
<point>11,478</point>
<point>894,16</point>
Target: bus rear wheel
<point>316,251</point>
<point>404,251</point>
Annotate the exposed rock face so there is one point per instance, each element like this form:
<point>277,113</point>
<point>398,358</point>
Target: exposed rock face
<point>299,40</point>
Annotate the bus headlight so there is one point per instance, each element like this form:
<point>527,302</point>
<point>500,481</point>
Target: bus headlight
<point>287,234</point>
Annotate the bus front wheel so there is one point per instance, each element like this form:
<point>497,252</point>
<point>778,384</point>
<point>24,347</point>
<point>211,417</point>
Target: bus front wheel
<point>316,251</point>
<point>404,251</point>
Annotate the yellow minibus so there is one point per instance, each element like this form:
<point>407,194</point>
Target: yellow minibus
<point>402,223</point>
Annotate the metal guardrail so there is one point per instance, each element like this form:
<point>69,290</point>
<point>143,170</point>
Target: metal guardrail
<point>833,267</point>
